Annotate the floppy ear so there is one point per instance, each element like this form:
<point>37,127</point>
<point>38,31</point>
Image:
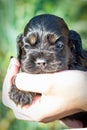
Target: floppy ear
<point>75,42</point>
<point>19,45</point>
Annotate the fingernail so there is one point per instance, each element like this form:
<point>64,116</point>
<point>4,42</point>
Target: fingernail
<point>11,57</point>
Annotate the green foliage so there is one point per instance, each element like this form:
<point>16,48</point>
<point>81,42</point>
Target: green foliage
<point>24,125</point>
<point>14,14</point>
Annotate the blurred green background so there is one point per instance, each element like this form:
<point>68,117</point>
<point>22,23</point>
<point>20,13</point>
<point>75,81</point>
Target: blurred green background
<point>14,14</point>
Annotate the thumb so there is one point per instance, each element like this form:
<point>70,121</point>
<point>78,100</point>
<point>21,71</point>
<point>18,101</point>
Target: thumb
<point>13,69</point>
<point>40,83</point>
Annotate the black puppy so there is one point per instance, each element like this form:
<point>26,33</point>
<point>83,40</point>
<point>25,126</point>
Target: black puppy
<point>47,46</point>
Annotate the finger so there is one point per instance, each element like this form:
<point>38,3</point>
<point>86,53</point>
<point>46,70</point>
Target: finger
<point>72,123</point>
<point>42,83</point>
<point>20,116</point>
<point>15,62</point>
<point>33,83</point>
<point>13,68</point>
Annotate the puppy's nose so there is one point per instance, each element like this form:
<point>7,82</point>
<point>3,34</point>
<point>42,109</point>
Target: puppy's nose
<point>41,62</point>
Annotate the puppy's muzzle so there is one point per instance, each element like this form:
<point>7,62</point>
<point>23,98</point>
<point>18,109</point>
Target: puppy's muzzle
<point>41,62</point>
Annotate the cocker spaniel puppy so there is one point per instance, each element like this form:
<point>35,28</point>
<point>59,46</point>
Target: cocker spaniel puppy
<point>47,46</point>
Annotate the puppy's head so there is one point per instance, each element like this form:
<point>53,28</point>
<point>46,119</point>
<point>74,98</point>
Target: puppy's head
<point>44,45</point>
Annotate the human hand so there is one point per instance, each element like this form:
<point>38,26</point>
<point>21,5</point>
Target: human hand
<point>56,91</point>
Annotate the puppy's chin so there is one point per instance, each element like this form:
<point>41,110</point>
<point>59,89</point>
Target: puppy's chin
<point>43,70</point>
<point>40,71</point>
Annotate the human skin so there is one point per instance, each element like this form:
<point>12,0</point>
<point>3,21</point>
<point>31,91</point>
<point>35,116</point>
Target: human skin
<point>58,90</point>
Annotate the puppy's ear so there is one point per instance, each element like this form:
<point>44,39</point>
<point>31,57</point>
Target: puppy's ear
<point>75,42</point>
<point>19,45</point>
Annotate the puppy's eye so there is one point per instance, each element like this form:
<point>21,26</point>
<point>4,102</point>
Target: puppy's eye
<point>26,46</point>
<point>59,44</point>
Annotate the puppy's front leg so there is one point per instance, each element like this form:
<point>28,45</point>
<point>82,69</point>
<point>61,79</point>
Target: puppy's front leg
<point>20,97</point>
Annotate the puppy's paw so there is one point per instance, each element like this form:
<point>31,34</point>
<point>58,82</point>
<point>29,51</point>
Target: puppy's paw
<point>20,97</point>
<point>26,98</point>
